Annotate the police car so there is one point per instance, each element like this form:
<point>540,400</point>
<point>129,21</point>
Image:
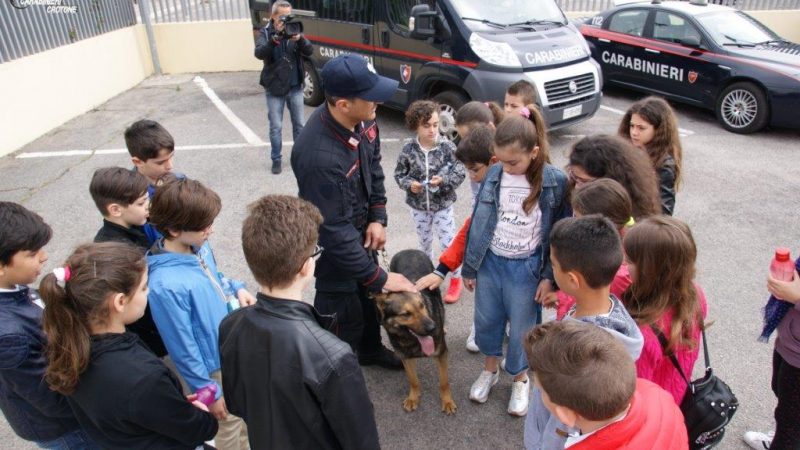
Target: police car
<point>454,51</point>
<point>706,55</point>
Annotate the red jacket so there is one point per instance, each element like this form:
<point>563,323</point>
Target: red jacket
<point>453,256</point>
<point>653,422</point>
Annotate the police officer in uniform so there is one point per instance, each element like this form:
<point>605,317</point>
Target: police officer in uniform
<point>336,160</point>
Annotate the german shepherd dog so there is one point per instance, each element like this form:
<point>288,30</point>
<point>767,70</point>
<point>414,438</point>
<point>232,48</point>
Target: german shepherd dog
<point>415,325</point>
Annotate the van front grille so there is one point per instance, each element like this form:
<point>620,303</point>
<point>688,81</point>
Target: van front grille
<point>558,90</point>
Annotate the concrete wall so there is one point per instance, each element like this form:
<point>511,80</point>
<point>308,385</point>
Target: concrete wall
<point>219,46</point>
<point>42,91</point>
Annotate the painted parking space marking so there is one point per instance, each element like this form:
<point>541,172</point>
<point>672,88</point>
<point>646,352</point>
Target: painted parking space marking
<point>249,135</point>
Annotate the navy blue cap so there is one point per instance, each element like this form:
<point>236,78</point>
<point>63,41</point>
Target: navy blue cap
<point>352,76</point>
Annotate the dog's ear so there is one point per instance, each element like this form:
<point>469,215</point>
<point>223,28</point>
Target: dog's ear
<point>380,301</point>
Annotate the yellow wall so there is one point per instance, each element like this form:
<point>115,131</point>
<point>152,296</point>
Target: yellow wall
<point>785,23</point>
<point>42,91</point>
<point>219,46</point>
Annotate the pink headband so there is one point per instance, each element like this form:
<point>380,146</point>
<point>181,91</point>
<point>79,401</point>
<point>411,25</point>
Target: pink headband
<point>63,274</point>
<point>525,112</point>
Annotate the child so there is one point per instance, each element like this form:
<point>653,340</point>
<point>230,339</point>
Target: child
<point>785,372</point>
<point>650,124</point>
<point>661,257</point>
<point>123,396</point>
<point>427,169</point>
<point>609,199</point>
<point>506,253</point>
<point>151,148</point>
<point>121,196</point>
<point>189,297</point>
<point>475,113</point>
<point>603,156</point>
<point>325,401</point>
<point>34,412</point>
<point>519,95</point>
<point>588,382</point>
<point>585,253</point>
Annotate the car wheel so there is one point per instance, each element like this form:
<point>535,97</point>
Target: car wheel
<point>742,108</point>
<point>450,102</point>
<point>312,90</point>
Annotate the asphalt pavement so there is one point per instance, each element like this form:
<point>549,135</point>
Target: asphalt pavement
<point>739,196</point>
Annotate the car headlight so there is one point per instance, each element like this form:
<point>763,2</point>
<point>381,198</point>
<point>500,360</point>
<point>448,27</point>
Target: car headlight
<point>497,53</point>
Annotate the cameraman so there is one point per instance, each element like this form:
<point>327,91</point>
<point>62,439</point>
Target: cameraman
<point>282,75</point>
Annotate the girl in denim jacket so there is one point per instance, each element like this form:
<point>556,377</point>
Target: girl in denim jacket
<point>507,257</point>
<point>428,171</point>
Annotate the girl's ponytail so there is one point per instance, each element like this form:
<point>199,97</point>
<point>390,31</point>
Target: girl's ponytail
<point>77,300</point>
<point>498,114</point>
<point>535,116</point>
<point>67,336</point>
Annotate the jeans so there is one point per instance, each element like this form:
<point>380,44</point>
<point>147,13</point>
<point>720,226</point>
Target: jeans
<point>294,99</point>
<point>786,387</point>
<point>74,440</point>
<point>504,292</point>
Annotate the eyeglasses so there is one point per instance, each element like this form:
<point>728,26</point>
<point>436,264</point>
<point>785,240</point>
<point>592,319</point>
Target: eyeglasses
<point>578,179</point>
<point>317,251</point>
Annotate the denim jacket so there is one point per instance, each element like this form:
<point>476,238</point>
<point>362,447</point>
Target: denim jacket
<point>34,412</point>
<point>552,203</point>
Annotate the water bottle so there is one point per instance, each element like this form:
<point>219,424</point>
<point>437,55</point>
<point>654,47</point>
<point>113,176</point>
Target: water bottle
<point>206,394</point>
<point>782,267</point>
<point>232,302</point>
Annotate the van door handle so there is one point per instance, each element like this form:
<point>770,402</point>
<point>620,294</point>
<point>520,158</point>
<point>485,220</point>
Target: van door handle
<point>385,38</point>
<point>604,40</point>
<point>650,50</point>
<point>365,35</point>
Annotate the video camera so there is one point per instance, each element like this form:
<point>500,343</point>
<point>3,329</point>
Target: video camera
<point>292,26</point>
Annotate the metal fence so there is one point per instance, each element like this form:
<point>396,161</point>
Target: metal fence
<point>32,29</point>
<point>745,5</point>
<point>162,11</point>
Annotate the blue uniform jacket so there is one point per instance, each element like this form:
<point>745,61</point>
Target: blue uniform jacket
<point>188,301</point>
<point>552,202</point>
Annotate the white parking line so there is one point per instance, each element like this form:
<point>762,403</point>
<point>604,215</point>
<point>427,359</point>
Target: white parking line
<point>682,131</point>
<point>182,148</point>
<point>245,131</point>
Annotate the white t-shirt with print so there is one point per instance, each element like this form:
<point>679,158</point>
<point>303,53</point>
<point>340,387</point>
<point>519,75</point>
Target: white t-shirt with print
<point>517,233</point>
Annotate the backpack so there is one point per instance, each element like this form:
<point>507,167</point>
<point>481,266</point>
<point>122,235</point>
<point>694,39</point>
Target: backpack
<point>709,403</point>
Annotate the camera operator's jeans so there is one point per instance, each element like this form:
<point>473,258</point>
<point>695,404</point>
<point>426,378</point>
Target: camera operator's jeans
<point>294,99</point>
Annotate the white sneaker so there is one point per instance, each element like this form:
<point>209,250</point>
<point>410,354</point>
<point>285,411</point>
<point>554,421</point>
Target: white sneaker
<point>520,393</point>
<point>472,347</point>
<point>479,392</point>
<point>503,364</point>
<point>758,440</point>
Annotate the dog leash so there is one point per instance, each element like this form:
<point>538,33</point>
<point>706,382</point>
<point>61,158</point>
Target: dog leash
<point>384,259</point>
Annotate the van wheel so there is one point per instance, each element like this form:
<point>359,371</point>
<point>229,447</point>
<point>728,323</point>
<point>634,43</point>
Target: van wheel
<point>450,102</point>
<point>312,91</point>
<point>742,108</point>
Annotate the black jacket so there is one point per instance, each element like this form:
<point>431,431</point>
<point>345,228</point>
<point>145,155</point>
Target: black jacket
<point>128,399</point>
<point>346,184</point>
<point>666,185</point>
<point>34,411</point>
<point>295,384</point>
<point>283,59</point>
<point>145,327</point>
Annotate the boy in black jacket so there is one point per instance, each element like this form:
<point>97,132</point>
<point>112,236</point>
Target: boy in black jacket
<point>34,412</point>
<point>121,195</point>
<point>300,387</point>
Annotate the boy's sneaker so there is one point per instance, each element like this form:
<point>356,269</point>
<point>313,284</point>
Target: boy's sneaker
<point>479,392</point>
<point>454,291</point>
<point>276,167</point>
<point>518,403</point>
<point>758,440</point>
<point>472,347</point>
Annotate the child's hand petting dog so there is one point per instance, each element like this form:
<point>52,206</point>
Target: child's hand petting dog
<point>430,281</point>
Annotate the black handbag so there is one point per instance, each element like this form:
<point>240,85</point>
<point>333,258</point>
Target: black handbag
<point>708,405</point>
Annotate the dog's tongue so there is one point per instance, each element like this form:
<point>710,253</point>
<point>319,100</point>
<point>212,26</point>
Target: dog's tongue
<point>426,342</point>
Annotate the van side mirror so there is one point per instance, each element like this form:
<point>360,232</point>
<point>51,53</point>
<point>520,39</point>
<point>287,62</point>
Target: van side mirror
<point>422,22</point>
<point>691,41</point>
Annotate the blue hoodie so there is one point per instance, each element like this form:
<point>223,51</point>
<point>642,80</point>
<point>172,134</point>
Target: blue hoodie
<point>188,299</point>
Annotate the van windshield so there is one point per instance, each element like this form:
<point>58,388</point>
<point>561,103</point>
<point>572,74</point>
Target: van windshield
<point>511,12</point>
